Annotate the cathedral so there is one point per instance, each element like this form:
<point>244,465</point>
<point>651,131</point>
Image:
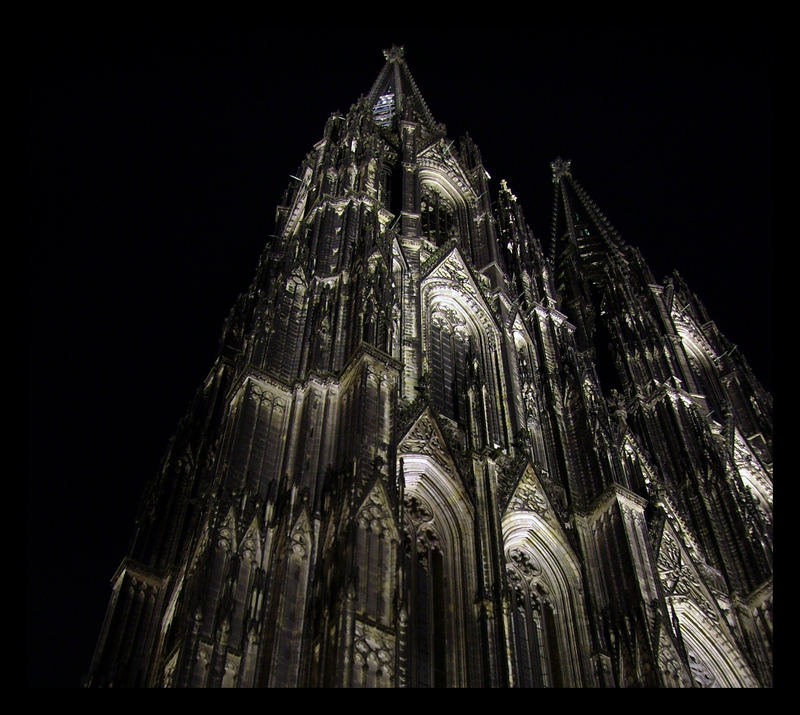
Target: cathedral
<point>435,450</point>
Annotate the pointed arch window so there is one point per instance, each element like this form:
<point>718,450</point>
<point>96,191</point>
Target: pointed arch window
<point>437,216</point>
<point>384,109</point>
<point>376,544</point>
<point>450,351</point>
<point>442,646</point>
<point>535,641</point>
<point>426,568</point>
<point>290,605</point>
<point>286,331</point>
<point>398,285</point>
<point>463,368</point>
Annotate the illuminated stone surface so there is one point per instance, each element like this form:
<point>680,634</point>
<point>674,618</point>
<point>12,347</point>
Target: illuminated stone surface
<point>433,452</point>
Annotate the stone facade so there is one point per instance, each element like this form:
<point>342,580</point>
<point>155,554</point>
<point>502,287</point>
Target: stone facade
<point>434,452</point>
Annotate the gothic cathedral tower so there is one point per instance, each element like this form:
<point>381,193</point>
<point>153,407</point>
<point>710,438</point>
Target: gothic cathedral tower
<point>434,452</point>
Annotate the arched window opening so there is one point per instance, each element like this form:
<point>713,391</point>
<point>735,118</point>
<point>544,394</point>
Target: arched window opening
<point>549,635</point>
<point>449,358</point>
<point>441,578</point>
<point>525,360</point>
<point>425,566</point>
<point>286,332</point>
<point>465,374</point>
<point>291,603</point>
<point>384,109</point>
<point>385,187</point>
<point>376,542</point>
<point>535,636</point>
<point>713,661</point>
<point>437,216</point>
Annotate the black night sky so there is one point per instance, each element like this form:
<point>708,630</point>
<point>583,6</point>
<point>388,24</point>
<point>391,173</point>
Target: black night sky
<point>153,165</point>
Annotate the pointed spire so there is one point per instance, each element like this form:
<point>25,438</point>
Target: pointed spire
<point>396,86</point>
<point>576,217</point>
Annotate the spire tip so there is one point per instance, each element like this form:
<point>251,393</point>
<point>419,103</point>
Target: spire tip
<point>395,53</point>
<point>561,168</point>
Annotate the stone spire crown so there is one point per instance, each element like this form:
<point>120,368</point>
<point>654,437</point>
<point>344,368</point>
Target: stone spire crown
<point>395,53</point>
<point>560,168</point>
<point>395,86</point>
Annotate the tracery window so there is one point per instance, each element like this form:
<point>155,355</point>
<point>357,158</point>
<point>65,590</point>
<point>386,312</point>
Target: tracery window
<point>463,368</point>
<point>426,573</point>
<point>442,645</point>
<point>291,601</point>
<point>286,330</point>
<point>437,216</point>
<point>538,657</point>
<point>450,350</point>
<point>375,546</point>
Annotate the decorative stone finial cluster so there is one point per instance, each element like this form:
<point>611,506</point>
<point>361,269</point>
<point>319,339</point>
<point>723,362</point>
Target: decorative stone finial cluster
<point>394,54</point>
<point>560,168</point>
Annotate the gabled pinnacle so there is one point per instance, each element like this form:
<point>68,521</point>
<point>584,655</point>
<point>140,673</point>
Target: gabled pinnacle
<point>506,191</point>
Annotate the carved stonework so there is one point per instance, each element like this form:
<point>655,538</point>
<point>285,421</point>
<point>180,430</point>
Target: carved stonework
<point>407,467</point>
<point>266,397</point>
<point>528,496</point>
<point>679,578</point>
<point>524,565</point>
<point>226,536</point>
<point>395,53</point>
<point>703,677</point>
<point>249,548</point>
<point>204,655</point>
<point>231,671</point>
<point>424,438</point>
<point>299,542</point>
<point>417,511</point>
<point>449,319</point>
<point>169,670</point>
<point>670,664</point>
<point>524,574</point>
<point>373,649</point>
<point>560,168</point>
<point>375,514</point>
<point>451,277</point>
